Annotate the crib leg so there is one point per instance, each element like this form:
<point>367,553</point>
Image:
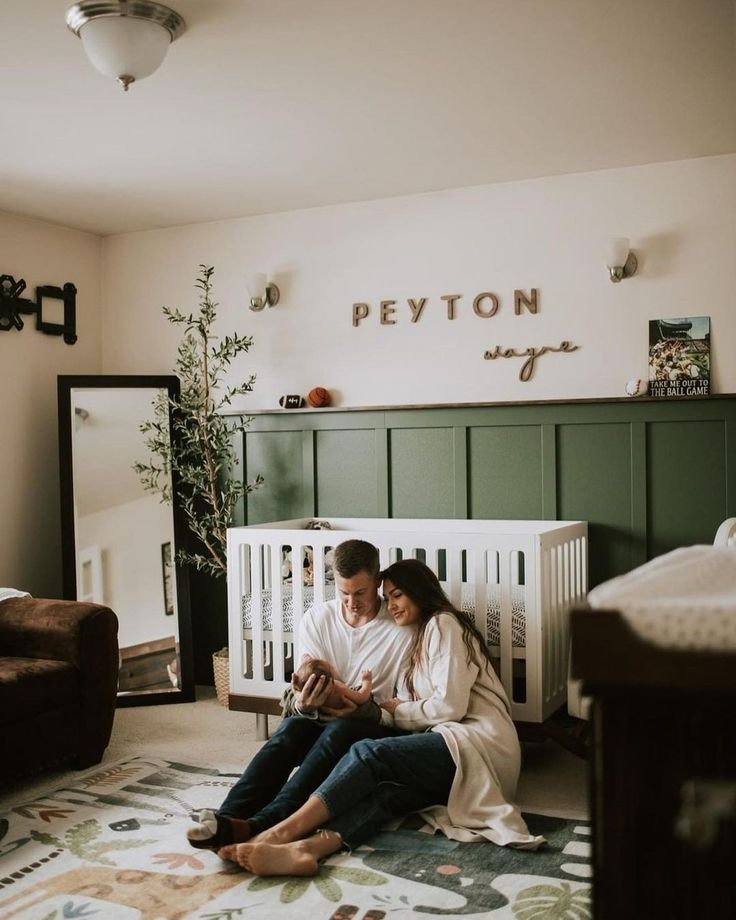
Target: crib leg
<point>261,726</point>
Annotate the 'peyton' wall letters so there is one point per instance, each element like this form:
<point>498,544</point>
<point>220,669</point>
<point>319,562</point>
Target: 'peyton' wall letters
<point>485,305</point>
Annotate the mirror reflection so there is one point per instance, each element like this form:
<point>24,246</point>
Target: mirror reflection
<point>123,537</point>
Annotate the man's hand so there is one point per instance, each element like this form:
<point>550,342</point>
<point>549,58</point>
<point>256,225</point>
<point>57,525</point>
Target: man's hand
<point>313,694</point>
<point>341,712</point>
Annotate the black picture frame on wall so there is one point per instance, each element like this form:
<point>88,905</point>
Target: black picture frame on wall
<point>147,653</point>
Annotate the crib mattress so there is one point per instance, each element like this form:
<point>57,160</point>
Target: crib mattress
<point>493,610</point>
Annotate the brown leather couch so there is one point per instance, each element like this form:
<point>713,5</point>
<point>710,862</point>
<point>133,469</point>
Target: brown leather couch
<point>58,683</point>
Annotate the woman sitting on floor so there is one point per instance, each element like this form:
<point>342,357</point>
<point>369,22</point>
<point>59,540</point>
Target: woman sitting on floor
<point>459,767</point>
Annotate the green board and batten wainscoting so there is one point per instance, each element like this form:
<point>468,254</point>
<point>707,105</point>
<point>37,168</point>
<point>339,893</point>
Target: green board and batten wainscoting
<point>648,475</point>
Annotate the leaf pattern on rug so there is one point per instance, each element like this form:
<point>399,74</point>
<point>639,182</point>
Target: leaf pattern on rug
<point>229,912</point>
<point>44,812</point>
<point>323,881</point>
<point>70,912</point>
<point>550,902</point>
<point>177,860</point>
<point>109,777</point>
<point>79,841</point>
<point>12,845</point>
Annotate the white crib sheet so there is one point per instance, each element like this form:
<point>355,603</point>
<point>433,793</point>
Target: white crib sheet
<point>493,610</point>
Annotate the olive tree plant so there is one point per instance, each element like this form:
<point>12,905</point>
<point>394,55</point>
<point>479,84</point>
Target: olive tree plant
<point>202,450</point>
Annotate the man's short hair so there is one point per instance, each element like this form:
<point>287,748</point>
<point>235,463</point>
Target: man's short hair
<point>355,556</point>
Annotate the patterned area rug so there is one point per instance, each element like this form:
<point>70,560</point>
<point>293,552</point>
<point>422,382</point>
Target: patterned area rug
<point>112,847</point>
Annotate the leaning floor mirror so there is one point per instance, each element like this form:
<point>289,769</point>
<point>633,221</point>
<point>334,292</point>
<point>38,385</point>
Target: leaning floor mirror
<point>119,541</point>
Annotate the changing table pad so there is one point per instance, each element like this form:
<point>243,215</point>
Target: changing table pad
<point>685,599</point>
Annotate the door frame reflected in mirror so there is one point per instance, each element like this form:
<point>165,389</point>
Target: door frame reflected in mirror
<point>66,386</point>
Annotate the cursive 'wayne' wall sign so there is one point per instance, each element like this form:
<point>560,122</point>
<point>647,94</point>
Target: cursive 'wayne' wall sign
<point>485,305</point>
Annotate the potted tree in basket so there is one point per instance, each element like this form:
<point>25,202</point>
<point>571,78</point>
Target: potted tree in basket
<point>202,451</point>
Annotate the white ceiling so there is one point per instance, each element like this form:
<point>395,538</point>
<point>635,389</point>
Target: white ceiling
<point>272,105</point>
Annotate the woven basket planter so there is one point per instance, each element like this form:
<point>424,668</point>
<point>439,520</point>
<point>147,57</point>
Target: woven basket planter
<point>221,668</point>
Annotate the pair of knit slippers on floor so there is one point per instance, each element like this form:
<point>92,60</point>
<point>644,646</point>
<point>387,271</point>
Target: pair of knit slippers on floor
<point>211,831</point>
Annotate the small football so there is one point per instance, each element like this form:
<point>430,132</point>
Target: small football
<point>318,397</point>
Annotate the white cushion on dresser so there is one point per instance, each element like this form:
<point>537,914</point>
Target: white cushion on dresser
<point>685,599</point>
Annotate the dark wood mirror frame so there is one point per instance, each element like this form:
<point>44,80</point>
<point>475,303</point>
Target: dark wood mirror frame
<point>185,692</point>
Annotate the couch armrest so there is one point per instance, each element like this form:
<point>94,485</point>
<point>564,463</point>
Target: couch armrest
<point>85,635</point>
<point>70,631</point>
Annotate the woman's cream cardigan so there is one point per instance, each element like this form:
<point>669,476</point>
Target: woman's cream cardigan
<point>466,703</point>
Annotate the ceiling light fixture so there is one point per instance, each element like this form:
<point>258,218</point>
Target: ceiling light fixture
<point>125,39</point>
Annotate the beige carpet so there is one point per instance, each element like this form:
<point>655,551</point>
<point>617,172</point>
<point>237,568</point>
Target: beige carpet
<point>552,782</point>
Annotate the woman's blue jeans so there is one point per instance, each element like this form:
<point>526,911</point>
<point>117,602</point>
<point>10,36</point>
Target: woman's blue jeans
<point>265,794</point>
<point>383,778</point>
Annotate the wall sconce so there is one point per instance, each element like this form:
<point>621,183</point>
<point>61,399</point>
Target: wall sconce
<point>621,261</point>
<point>125,39</point>
<point>262,291</point>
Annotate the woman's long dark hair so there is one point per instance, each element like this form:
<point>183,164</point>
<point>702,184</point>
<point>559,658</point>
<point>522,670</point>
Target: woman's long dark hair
<point>421,585</point>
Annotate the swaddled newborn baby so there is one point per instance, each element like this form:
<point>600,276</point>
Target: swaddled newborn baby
<point>367,708</point>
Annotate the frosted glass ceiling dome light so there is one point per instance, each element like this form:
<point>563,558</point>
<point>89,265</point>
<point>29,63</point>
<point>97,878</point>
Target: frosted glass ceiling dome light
<point>125,39</point>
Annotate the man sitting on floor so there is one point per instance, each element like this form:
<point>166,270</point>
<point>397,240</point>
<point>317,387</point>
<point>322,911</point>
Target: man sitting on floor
<point>355,633</point>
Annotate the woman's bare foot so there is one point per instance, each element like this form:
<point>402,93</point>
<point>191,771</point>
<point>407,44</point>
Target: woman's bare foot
<point>276,835</point>
<point>272,859</point>
<point>312,814</point>
<point>298,858</point>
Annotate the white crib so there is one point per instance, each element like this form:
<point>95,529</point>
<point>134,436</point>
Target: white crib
<point>517,578</point>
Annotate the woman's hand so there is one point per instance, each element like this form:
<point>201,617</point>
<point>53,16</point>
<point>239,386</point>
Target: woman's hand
<point>390,705</point>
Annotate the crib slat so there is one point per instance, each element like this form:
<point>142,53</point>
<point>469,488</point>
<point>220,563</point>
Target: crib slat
<point>479,597</point>
<point>277,617</point>
<point>297,588</point>
<point>256,601</point>
<point>505,616</point>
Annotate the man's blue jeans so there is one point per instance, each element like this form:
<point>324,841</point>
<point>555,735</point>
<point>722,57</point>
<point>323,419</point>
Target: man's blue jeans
<point>265,795</point>
<point>384,778</point>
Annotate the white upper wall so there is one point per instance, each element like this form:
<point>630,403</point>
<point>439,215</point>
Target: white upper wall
<point>30,531</point>
<point>275,105</point>
<point>547,234</point>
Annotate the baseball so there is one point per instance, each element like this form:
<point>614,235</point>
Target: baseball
<point>636,387</point>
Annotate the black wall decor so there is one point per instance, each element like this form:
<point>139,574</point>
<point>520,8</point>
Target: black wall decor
<point>12,305</point>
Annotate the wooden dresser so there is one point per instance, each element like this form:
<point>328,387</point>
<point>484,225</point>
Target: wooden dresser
<point>663,774</point>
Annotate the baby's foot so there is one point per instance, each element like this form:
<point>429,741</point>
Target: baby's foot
<point>212,831</point>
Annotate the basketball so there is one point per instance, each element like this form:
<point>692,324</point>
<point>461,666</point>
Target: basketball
<point>318,397</point>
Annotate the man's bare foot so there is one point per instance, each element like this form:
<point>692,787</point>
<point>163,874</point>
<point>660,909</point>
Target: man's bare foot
<point>272,859</point>
<point>228,852</point>
<point>214,830</point>
<point>281,859</point>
